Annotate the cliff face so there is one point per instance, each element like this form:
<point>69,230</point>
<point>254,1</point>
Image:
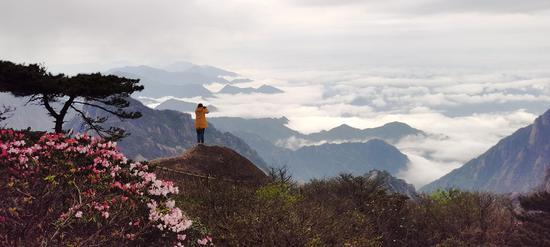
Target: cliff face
<point>516,164</point>
<point>165,133</point>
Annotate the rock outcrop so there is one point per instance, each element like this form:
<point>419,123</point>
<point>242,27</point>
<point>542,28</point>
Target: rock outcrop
<point>214,161</point>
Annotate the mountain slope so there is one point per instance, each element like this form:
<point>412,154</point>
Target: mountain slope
<point>275,130</point>
<point>159,85</point>
<point>273,155</point>
<point>207,70</point>
<point>546,183</point>
<point>193,75</point>
<point>265,89</point>
<point>180,80</point>
<point>516,163</point>
<point>165,133</point>
<point>228,89</point>
<point>27,115</point>
<point>271,129</point>
<point>329,160</point>
<point>392,183</point>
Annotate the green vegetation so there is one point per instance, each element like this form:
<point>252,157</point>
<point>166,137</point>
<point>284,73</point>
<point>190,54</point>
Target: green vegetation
<point>57,190</point>
<point>356,211</point>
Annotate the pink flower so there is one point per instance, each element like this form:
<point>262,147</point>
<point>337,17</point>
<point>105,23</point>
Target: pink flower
<point>100,163</point>
<point>203,241</point>
<point>117,184</point>
<point>170,204</point>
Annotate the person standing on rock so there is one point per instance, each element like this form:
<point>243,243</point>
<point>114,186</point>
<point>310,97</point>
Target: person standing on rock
<point>200,122</point>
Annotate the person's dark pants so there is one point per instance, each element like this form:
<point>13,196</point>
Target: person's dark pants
<point>200,135</point>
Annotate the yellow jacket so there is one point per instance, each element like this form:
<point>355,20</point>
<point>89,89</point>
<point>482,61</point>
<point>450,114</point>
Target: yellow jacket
<point>200,118</point>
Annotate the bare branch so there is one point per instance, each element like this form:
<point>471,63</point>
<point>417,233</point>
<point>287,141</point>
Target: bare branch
<point>91,123</point>
<point>112,133</point>
<point>120,114</point>
<point>6,112</point>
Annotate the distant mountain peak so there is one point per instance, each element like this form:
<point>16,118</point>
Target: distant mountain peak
<point>265,89</point>
<point>344,127</point>
<point>397,124</point>
<point>392,132</point>
<point>268,89</point>
<point>517,163</point>
<point>357,158</point>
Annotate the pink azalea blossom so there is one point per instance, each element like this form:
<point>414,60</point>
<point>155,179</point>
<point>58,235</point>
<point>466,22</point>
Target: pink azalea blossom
<point>99,162</point>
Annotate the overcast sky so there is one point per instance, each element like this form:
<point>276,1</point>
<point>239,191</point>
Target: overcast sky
<point>268,34</point>
<point>472,70</point>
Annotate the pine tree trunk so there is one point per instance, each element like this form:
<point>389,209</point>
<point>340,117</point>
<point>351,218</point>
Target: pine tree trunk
<point>59,125</point>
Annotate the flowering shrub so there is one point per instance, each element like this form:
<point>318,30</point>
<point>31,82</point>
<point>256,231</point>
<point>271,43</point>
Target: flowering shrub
<point>80,191</point>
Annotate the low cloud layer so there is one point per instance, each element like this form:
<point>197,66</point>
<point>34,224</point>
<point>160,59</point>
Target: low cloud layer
<point>464,115</point>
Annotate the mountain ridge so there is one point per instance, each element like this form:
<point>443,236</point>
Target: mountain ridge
<point>328,160</point>
<point>265,89</point>
<point>181,79</point>
<point>517,163</point>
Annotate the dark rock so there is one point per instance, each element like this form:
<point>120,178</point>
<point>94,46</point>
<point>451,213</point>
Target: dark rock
<point>214,161</point>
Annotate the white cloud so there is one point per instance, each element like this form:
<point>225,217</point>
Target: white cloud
<point>430,63</point>
<point>453,140</point>
<point>276,34</point>
<point>438,6</point>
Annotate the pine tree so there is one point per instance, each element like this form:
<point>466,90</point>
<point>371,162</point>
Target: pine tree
<point>105,92</point>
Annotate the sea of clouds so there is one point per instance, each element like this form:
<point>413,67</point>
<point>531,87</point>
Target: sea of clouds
<point>463,112</point>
